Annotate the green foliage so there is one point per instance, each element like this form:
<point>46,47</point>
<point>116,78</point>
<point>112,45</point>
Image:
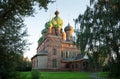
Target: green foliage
<point>15,8</point>
<point>84,33</point>
<point>114,69</point>
<point>100,29</point>
<point>103,74</point>
<point>23,64</point>
<point>12,45</point>
<point>12,33</point>
<point>35,74</point>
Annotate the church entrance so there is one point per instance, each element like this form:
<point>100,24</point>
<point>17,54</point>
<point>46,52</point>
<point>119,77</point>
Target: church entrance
<point>67,65</point>
<point>85,66</point>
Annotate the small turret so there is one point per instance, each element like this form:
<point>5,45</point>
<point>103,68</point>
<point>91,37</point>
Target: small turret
<point>57,13</point>
<point>69,31</point>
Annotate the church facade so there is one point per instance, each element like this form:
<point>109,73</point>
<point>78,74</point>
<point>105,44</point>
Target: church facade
<point>56,50</point>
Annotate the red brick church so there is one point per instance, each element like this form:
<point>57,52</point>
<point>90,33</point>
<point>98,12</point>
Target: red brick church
<point>56,50</point>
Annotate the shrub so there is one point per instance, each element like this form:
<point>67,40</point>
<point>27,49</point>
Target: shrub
<point>35,74</point>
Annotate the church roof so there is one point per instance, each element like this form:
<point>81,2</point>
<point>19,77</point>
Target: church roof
<point>39,54</point>
<point>68,27</point>
<point>43,52</point>
<point>68,59</point>
<point>79,56</point>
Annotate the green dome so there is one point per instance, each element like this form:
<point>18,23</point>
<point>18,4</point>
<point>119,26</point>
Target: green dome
<point>40,40</point>
<point>57,21</point>
<point>44,31</point>
<point>48,24</point>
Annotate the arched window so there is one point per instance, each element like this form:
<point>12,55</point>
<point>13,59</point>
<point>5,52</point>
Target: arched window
<point>67,65</point>
<point>72,66</point>
<point>54,63</point>
<point>70,54</point>
<point>85,66</point>
<point>53,31</point>
<point>66,54</point>
<point>73,54</point>
<point>76,65</point>
<point>62,55</point>
<point>54,51</point>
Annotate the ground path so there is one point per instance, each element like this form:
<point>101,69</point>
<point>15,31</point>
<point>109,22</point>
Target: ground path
<point>94,76</point>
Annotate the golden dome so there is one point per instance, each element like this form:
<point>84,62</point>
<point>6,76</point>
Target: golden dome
<point>64,36</point>
<point>68,28</point>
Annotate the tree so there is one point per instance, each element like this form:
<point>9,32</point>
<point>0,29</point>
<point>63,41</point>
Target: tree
<point>15,8</point>
<point>103,20</point>
<point>13,33</point>
<point>12,44</point>
<point>83,33</point>
<point>23,64</point>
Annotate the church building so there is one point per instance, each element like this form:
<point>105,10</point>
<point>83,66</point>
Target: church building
<point>56,50</point>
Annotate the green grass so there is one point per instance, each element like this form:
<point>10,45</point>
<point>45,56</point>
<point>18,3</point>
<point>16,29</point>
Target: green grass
<point>103,74</point>
<point>59,75</point>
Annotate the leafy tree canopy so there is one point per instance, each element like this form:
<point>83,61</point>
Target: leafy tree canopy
<point>21,8</point>
<point>99,28</point>
<point>13,33</point>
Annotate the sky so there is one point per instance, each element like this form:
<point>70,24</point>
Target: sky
<point>68,9</point>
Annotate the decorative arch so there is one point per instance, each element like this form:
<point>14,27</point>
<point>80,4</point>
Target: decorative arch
<point>66,54</point>
<point>54,63</point>
<point>54,51</point>
<point>85,65</point>
<point>62,54</point>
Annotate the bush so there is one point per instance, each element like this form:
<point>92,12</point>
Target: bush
<point>35,74</point>
<point>22,69</point>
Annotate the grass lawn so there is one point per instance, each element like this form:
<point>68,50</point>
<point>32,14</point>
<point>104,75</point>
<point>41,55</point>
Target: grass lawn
<point>103,74</point>
<point>59,75</point>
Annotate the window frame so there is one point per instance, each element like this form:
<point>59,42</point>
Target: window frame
<point>54,63</point>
